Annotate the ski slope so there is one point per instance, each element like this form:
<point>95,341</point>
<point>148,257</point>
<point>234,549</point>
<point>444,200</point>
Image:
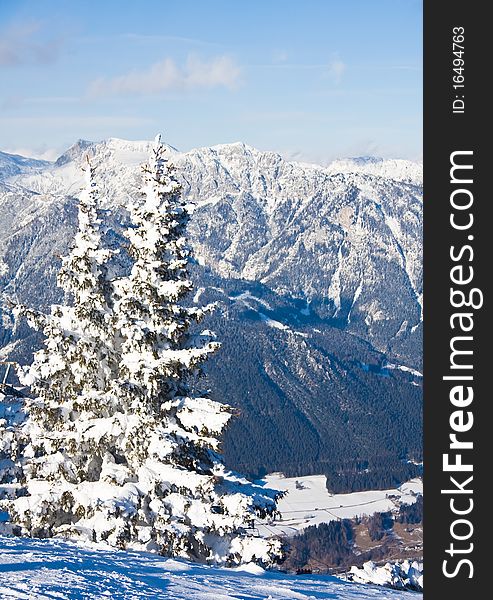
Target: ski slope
<point>52,569</point>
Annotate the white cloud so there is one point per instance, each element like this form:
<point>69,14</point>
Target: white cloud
<point>166,75</point>
<point>337,69</point>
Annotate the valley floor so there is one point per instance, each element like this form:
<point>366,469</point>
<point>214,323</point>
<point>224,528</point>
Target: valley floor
<point>309,503</point>
<point>52,569</point>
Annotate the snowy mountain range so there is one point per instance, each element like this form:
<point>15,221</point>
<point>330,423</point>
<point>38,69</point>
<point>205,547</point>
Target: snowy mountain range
<point>14,164</point>
<point>317,269</point>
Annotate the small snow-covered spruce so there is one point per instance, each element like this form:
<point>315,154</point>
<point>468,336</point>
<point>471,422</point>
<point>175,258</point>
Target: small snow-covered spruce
<point>124,451</point>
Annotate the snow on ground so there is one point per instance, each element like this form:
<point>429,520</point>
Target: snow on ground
<point>404,368</point>
<point>400,575</point>
<point>244,297</point>
<point>383,371</point>
<point>309,503</point>
<point>52,569</point>
<point>272,322</point>
<point>278,325</point>
<point>399,170</point>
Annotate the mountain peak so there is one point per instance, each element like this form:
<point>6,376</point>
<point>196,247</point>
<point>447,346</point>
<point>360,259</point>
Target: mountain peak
<point>75,151</point>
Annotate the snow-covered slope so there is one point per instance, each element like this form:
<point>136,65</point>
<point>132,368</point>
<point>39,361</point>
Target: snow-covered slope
<point>48,569</point>
<point>399,170</point>
<point>14,164</point>
<point>309,503</point>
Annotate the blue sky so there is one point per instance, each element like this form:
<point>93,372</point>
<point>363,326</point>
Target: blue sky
<point>314,80</point>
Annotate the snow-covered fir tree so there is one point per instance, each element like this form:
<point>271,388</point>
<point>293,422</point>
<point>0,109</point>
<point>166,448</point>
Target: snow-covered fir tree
<point>68,380</point>
<point>119,446</point>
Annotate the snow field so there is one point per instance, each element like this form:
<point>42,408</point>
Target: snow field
<point>52,569</point>
<point>309,503</point>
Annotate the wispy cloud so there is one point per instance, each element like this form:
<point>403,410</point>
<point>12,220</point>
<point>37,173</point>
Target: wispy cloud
<point>42,151</point>
<point>279,56</point>
<point>387,67</point>
<point>300,117</point>
<point>289,66</point>
<point>63,121</point>
<point>166,75</point>
<point>148,38</point>
<point>13,102</point>
<point>336,69</point>
<point>24,44</point>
